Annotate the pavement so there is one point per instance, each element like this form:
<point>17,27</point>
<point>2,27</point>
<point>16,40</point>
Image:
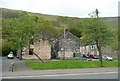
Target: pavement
<point>59,71</point>
<point>20,66</point>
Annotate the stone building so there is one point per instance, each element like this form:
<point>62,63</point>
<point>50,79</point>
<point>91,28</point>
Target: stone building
<point>40,48</point>
<point>66,46</point>
<point>89,49</point>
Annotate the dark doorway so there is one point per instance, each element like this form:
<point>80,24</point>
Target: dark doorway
<point>31,51</point>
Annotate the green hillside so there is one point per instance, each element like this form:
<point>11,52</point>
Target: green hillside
<point>9,13</point>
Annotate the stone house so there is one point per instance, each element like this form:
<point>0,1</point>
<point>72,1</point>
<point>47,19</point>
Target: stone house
<point>40,48</point>
<point>66,46</point>
<point>89,49</point>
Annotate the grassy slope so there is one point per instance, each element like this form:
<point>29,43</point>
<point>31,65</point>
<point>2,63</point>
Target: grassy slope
<point>111,21</point>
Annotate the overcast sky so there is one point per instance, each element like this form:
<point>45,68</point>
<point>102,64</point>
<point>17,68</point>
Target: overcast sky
<point>72,8</point>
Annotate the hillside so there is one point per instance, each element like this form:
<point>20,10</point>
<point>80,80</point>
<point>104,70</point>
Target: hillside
<point>9,13</point>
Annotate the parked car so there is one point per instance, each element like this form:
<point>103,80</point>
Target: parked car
<point>85,56</point>
<point>107,58</point>
<point>93,57</point>
<point>10,55</point>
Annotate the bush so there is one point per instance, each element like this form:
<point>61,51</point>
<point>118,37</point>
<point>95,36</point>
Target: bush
<point>7,47</point>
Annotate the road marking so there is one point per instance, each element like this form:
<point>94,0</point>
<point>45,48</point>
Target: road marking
<point>51,75</point>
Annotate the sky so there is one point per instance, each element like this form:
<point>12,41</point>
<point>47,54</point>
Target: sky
<point>71,8</point>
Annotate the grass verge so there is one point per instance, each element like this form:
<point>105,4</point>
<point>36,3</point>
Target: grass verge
<point>69,64</point>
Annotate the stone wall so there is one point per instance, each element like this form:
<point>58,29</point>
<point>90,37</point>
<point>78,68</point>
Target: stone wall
<point>42,49</point>
<point>68,54</point>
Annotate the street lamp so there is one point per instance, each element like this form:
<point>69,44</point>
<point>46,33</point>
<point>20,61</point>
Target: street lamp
<point>62,49</point>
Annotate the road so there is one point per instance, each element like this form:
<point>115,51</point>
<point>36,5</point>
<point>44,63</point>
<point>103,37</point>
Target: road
<point>103,75</point>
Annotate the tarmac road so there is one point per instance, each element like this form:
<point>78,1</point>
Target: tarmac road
<point>86,73</point>
<point>101,75</point>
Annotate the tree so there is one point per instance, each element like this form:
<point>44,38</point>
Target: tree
<point>19,30</point>
<point>75,31</point>
<point>7,36</point>
<point>47,30</point>
<point>96,32</point>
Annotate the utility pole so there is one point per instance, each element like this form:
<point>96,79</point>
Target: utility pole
<point>98,41</point>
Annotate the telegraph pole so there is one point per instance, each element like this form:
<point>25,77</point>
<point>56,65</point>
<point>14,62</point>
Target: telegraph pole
<point>99,44</point>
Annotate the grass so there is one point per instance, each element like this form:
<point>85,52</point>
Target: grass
<point>69,64</point>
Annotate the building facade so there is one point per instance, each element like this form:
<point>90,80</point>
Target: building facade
<point>41,48</point>
<point>66,46</point>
